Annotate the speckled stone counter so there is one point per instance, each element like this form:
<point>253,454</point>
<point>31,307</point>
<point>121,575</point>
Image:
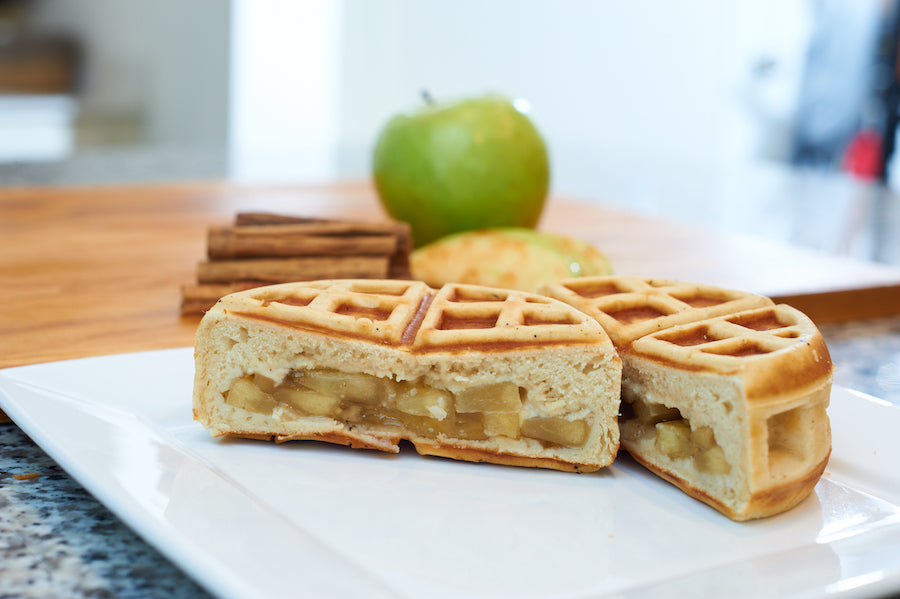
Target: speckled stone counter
<point>56,540</point>
<point>866,355</point>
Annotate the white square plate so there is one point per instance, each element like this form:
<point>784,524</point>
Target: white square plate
<point>252,519</point>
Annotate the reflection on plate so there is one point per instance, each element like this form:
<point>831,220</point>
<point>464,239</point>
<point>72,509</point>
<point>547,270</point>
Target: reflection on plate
<point>251,519</point>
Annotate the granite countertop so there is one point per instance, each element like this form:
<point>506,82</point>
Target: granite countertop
<point>56,540</point>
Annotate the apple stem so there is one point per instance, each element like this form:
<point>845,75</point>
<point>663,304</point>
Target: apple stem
<point>427,97</point>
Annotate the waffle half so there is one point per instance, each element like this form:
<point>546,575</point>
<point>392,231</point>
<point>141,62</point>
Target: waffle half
<point>724,393</point>
<point>464,372</point>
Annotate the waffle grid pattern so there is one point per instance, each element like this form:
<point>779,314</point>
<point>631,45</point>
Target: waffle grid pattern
<point>390,312</point>
<point>476,316</point>
<point>380,310</point>
<point>722,343</point>
<point>631,307</point>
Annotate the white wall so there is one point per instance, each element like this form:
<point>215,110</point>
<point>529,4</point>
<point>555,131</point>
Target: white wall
<point>285,90</point>
<point>612,85</point>
<point>162,63</point>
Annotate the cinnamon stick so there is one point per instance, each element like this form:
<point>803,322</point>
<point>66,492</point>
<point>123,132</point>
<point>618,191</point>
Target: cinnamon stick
<point>294,240</point>
<point>266,218</point>
<point>275,270</point>
<point>315,226</point>
<point>399,264</point>
<point>262,249</point>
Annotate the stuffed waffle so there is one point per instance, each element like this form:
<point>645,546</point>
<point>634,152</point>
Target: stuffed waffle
<point>464,372</point>
<point>724,393</point>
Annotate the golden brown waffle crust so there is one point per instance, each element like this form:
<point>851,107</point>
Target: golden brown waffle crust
<point>630,307</point>
<point>413,317</point>
<point>451,338</point>
<point>775,349</point>
<point>762,504</point>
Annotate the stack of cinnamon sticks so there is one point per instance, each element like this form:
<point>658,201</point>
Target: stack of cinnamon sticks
<point>262,249</point>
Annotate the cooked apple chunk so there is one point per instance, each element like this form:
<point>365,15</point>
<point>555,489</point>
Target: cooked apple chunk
<point>246,395</point>
<point>673,438</point>
<point>703,437</point>
<point>676,439</point>
<point>264,382</point>
<point>356,387</point>
<point>504,424</point>
<point>308,401</point>
<point>424,401</point>
<point>496,397</point>
<point>556,430</point>
<point>653,413</point>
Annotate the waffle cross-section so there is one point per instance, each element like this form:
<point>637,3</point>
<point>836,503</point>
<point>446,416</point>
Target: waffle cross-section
<point>725,393</point>
<point>464,372</point>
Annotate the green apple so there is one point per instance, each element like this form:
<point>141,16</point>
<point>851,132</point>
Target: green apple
<point>470,164</point>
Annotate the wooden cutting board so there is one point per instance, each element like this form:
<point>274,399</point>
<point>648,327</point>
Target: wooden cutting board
<point>827,287</point>
<point>95,271</point>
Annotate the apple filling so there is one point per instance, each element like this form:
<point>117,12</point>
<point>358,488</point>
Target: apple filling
<point>675,437</point>
<point>477,413</point>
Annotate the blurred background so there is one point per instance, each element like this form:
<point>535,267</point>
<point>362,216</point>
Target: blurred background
<point>750,115</point>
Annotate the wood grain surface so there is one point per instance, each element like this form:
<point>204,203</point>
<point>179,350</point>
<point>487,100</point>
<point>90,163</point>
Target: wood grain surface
<point>96,271</point>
